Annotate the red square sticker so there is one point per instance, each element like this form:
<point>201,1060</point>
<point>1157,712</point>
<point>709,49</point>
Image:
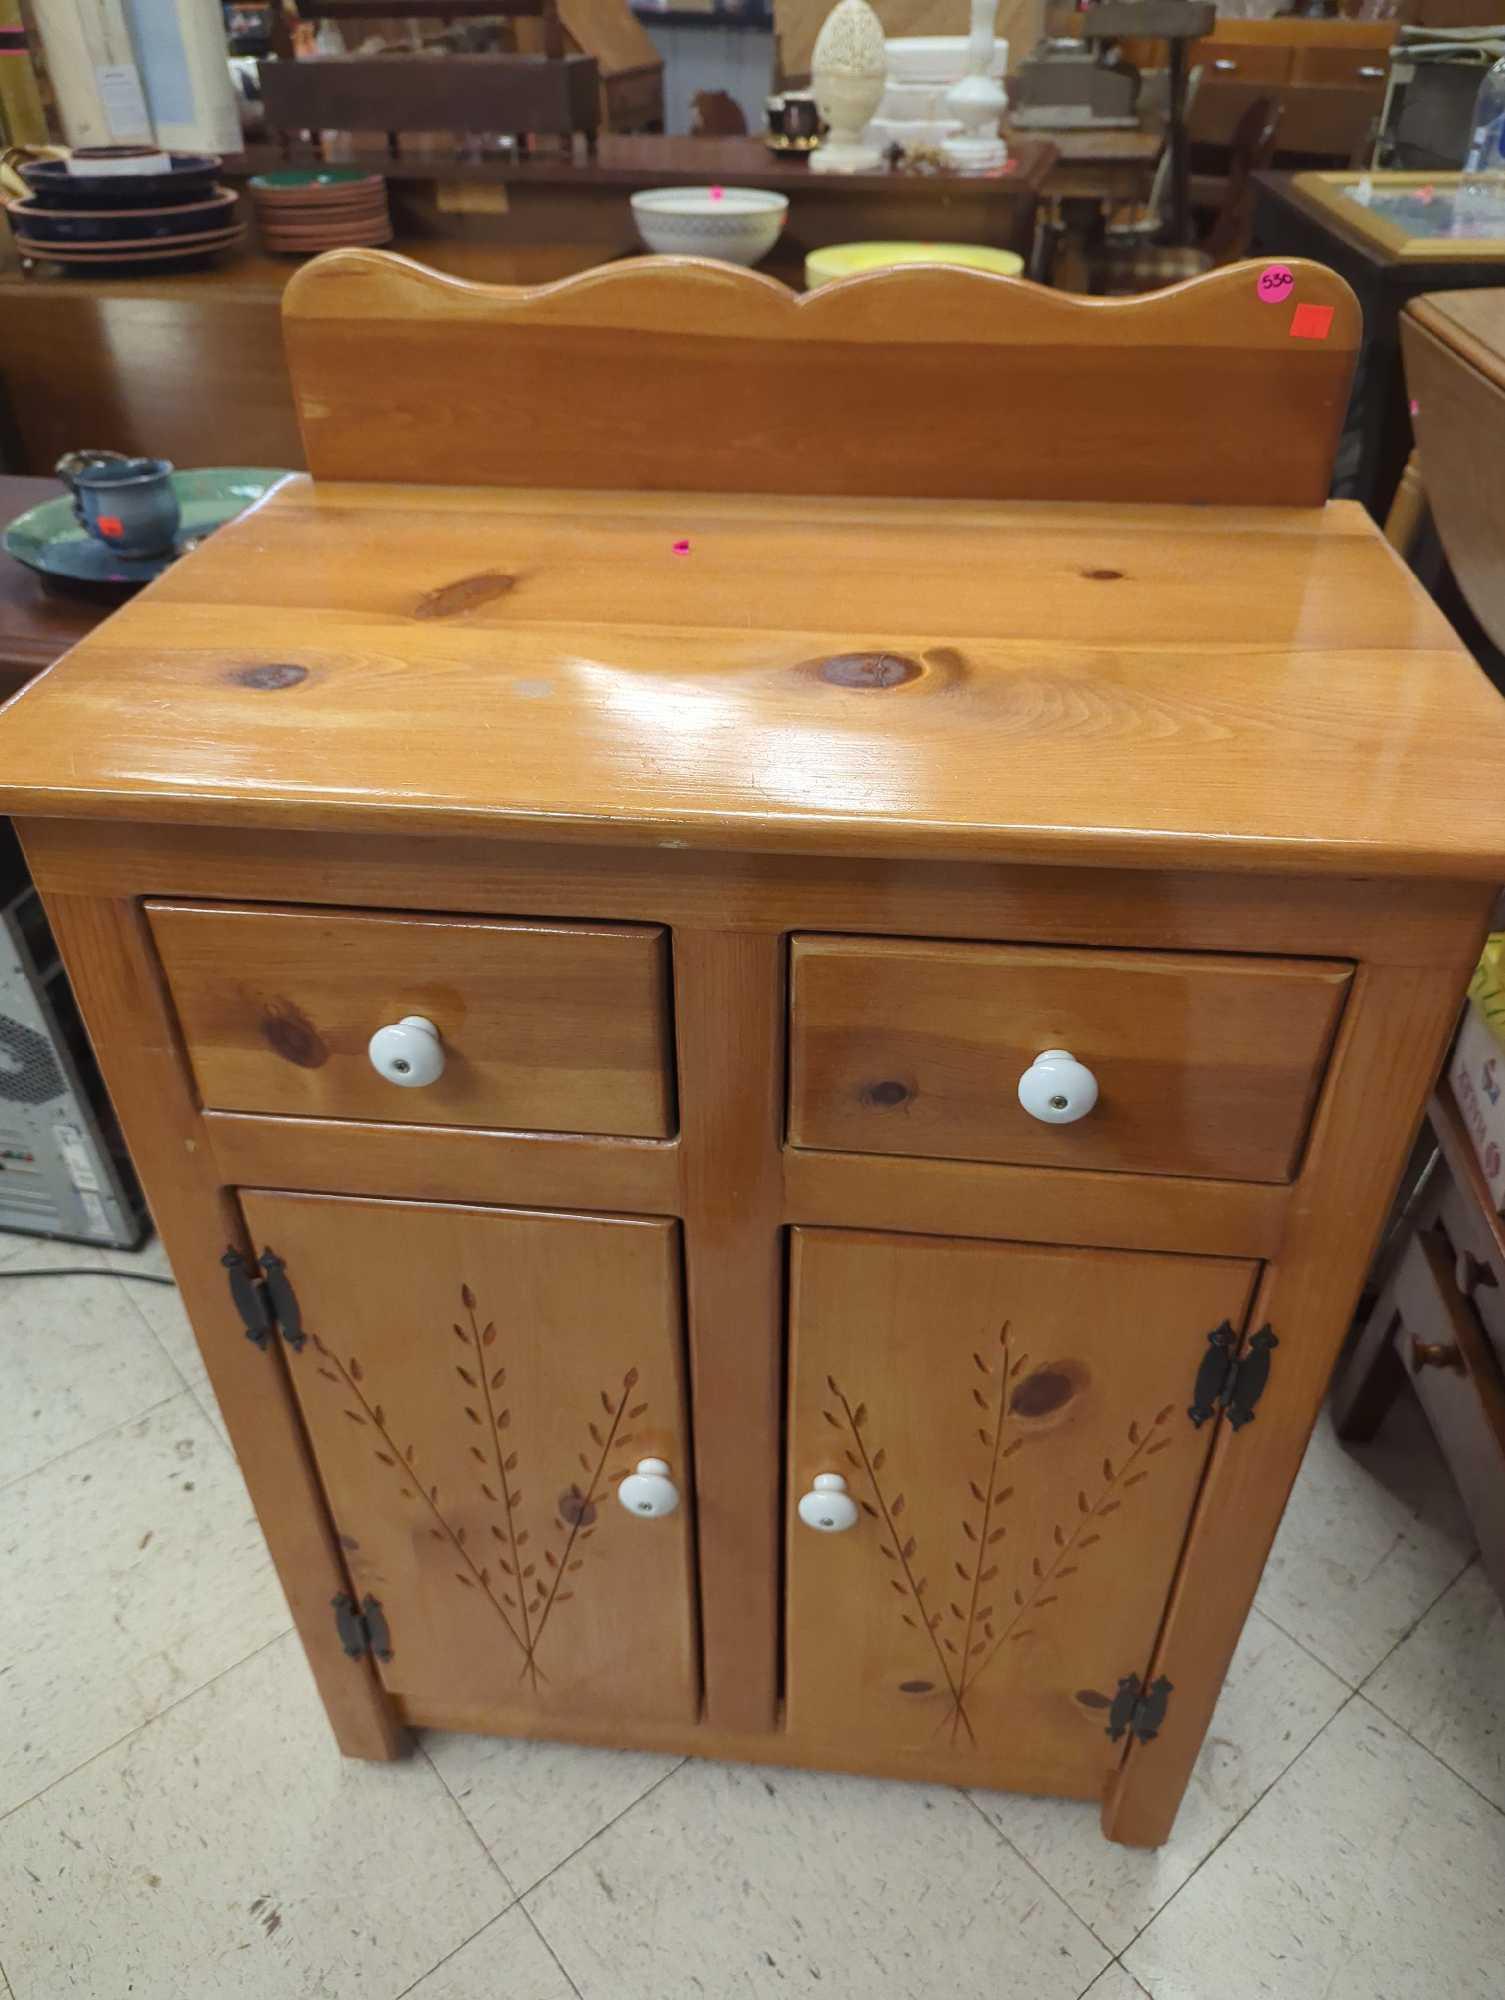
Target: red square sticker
<point>111,524</point>
<point>1311,322</point>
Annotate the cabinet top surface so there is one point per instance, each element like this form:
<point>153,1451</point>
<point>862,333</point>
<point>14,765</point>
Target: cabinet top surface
<point>1205,687</point>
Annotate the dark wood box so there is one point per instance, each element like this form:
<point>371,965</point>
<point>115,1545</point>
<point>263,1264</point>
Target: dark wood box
<point>490,93</point>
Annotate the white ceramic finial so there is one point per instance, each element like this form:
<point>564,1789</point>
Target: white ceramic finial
<point>848,69</point>
<point>977,102</point>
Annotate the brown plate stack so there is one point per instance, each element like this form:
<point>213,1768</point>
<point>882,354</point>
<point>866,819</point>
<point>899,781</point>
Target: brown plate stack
<point>302,210</point>
<point>125,208</point>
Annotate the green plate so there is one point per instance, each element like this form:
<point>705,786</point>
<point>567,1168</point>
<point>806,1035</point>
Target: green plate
<point>309,177</point>
<point>48,538</point>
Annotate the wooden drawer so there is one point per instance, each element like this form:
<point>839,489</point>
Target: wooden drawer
<point>1204,1065</point>
<point>544,1027</point>
<point>1478,1272</point>
<point>1366,68</point>
<point>1229,62</point>
<point>1460,1385</point>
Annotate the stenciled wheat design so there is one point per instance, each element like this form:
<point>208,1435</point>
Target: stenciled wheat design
<point>403,1462</point>
<point>523,1597</point>
<point>901,1548</point>
<point>576,1510</point>
<point>965,1653</point>
<point>990,1496</point>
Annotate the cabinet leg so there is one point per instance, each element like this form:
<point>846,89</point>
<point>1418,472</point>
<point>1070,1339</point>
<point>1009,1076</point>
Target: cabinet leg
<point>108,953</point>
<point>1392,1041</point>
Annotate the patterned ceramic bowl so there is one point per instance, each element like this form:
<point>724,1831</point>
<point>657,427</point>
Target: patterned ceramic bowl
<point>739,225</point>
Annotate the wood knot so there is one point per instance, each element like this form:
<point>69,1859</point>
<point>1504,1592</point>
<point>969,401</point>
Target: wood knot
<point>288,1032</point>
<point>268,675</point>
<point>1103,575</point>
<point>887,1093</point>
<point>865,670</point>
<point>1048,1390</point>
<point>466,593</point>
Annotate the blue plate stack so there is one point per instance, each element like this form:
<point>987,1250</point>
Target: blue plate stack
<point>127,218</point>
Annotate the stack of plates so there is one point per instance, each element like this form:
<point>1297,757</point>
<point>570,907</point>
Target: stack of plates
<point>169,213</point>
<point>305,209</point>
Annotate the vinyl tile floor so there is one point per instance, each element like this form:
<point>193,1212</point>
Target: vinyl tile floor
<point>175,1823</point>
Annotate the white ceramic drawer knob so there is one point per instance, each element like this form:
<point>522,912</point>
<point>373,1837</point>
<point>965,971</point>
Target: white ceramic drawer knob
<point>828,1507</point>
<point>649,1491</point>
<point>409,1052</point>
<point>1057,1089</point>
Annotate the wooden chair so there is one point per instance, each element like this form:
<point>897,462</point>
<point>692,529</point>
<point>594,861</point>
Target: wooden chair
<point>1141,267</point>
<point>716,114</point>
<point>680,374</point>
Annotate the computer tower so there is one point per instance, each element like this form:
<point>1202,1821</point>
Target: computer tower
<point>64,1170</point>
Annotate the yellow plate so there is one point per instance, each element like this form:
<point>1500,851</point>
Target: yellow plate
<point>841,260</point>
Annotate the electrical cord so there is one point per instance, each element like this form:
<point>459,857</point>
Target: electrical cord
<point>90,1271</point>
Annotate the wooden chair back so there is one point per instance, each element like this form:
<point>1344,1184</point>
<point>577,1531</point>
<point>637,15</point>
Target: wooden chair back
<point>680,374</point>
<point>1252,150</point>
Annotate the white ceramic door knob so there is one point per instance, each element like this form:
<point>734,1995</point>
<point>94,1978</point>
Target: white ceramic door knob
<point>409,1052</point>
<point>1057,1089</point>
<point>649,1491</point>
<point>828,1507</point>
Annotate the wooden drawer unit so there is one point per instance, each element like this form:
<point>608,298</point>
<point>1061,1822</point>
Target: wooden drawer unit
<point>1438,1340</point>
<point>541,1027</point>
<point>1203,1065</point>
<point>753,1373</point>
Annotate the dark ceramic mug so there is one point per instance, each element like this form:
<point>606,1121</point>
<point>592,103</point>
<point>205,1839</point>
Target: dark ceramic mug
<point>126,503</point>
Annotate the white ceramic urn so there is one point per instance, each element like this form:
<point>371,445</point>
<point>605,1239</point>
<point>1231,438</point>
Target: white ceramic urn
<point>977,102</point>
<point>848,69</point>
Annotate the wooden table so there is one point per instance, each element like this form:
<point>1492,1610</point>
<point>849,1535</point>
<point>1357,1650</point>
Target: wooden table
<point>190,366</point>
<point>1093,173</point>
<point>37,626</point>
<point>1290,220</point>
<point>600,960</point>
<point>1454,349</point>
<point>1108,167</point>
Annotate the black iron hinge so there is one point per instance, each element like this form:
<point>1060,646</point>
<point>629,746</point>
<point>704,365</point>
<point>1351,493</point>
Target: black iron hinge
<point>362,1627</point>
<point>264,1298</point>
<point>1137,1710</point>
<point>1230,1381</point>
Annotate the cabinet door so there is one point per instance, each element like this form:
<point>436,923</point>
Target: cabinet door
<point>476,1383</point>
<point>1012,1422</point>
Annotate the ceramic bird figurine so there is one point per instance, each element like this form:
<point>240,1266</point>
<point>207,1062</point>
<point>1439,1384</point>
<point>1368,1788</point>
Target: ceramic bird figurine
<point>977,102</point>
<point>848,69</point>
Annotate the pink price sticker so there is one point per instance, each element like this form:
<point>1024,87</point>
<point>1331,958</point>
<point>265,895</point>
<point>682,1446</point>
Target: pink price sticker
<point>1275,282</point>
<point>718,194</point>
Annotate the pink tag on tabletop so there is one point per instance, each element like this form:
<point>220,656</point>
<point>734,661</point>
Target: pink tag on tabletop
<point>1275,282</point>
<point>681,549</point>
<point>1311,322</point>
<point>718,194</point>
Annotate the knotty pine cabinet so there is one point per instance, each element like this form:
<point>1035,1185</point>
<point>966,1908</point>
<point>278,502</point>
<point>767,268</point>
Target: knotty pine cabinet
<point>747,1206</point>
